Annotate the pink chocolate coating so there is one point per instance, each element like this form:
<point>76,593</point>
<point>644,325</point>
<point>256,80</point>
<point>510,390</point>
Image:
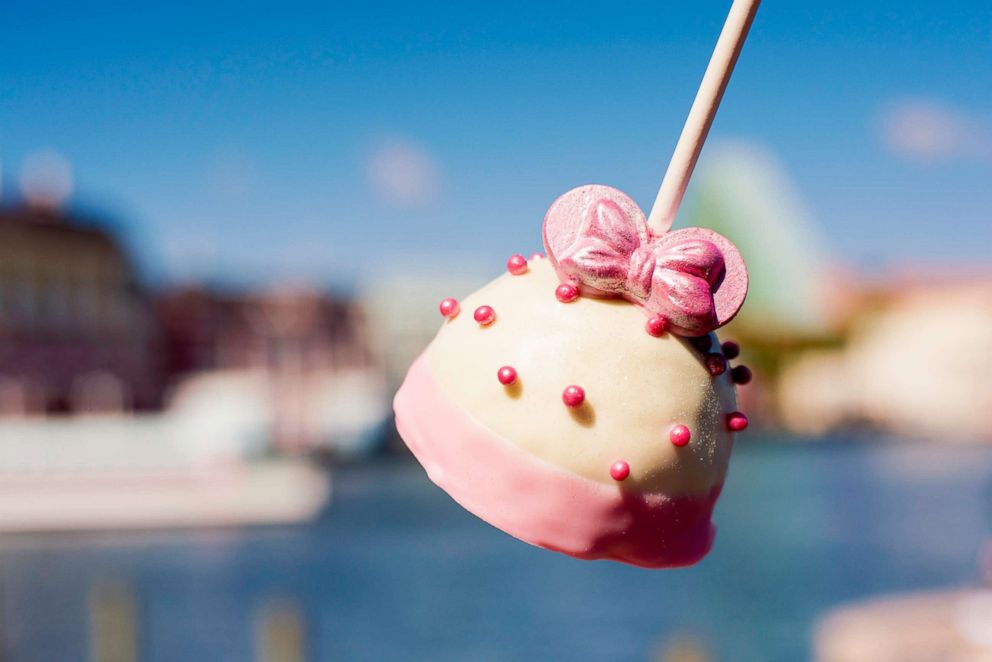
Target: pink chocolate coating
<point>541,503</point>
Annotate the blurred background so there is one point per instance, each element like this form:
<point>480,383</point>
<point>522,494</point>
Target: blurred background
<point>224,231</point>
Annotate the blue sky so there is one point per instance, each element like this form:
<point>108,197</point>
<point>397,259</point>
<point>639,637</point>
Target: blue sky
<point>248,142</point>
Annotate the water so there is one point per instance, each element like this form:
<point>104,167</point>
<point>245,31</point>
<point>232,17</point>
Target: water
<point>396,571</point>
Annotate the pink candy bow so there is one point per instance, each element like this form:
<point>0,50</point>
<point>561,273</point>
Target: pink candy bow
<point>599,239</point>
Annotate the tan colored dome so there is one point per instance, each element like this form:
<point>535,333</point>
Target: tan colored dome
<point>637,386</point>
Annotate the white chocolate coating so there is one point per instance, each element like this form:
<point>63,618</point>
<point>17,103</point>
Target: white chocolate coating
<point>637,386</point>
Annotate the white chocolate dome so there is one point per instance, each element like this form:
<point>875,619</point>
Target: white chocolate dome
<point>637,387</point>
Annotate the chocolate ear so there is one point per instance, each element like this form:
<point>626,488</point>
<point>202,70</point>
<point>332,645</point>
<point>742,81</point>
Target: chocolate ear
<point>564,222</point>
<point>730,290</point>
<point>566,214</point>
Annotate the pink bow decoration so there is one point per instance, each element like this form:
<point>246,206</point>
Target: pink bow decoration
<point>597,238</point>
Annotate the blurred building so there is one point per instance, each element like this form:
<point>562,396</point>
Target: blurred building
<point>76,328</point>
<point>80,334</point>
<point>747,194</point>
<point>295,365</point>
<point>404,317</point>
<point>833,348</point>
<point>795,291</point>
<point>911,363</point>
<point>941,625</point>
<point>288,329</point>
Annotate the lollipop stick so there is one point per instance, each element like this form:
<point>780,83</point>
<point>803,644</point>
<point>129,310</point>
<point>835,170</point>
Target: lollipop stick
<point>701,115</point>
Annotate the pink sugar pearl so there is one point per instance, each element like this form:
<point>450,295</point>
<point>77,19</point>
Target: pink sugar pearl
<point>567,293</point>
<point>619,470</point>
<point>506,375</point>
<point>680,435</point>
<point>485,315</point>
<point>741,374</point>
<point>702,343</point>
<point>716,364</point>
<point>656,326</point>
<point>573,396</point>
<point>449,307</point>
<point>731,349</point>
<point>516,265</point>
<point>537,256</point>
<point>736,422</point>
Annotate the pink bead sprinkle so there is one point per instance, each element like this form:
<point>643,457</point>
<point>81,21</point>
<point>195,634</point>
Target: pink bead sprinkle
<point>680,435</point>
<point>516,265</point>
<point>741,374</point>
<point>506,375</point>
<point>702,343</point>
<point>567,293</point>
<point>736,421</point>
<point>449,307</point>
<point>573,396</point>
<point>485,315</point>
<point>716,364</point>
<point>656,326</point>
<point>537,256</point>
<point>731,349</point>
<point>619,470</point>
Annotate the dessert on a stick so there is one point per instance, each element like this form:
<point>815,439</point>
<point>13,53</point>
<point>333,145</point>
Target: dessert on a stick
<point>581,402</point>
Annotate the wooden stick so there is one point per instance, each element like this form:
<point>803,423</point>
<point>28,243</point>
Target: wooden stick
<point>701,115</point>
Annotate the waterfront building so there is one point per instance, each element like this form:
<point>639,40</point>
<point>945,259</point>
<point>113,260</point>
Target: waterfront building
<point>77,330</point>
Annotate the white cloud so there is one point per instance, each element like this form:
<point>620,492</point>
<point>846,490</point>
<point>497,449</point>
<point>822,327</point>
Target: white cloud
<point>404,174</point>
<point>931,131</point>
